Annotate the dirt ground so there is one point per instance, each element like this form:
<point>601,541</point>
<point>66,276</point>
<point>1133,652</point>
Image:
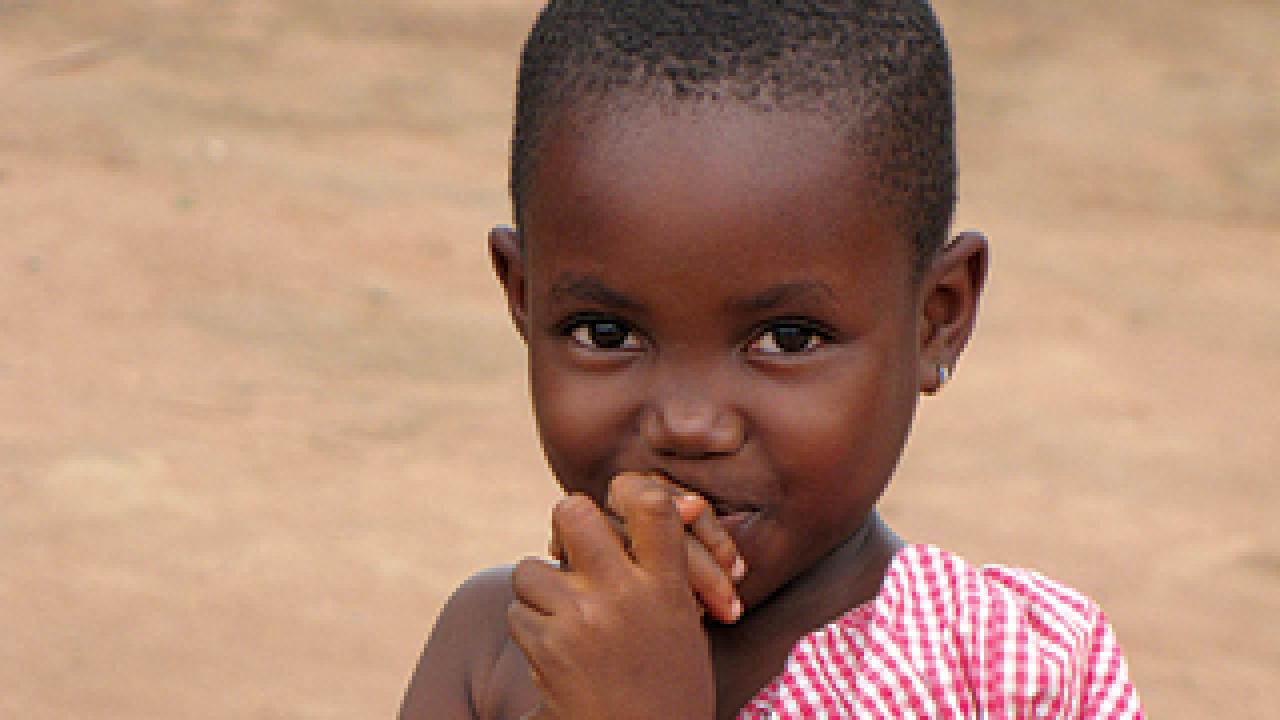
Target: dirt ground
<point>260,407</point>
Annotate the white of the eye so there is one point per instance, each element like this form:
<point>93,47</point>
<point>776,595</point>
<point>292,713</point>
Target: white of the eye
<point>582,336</point>
<point>769,344</point>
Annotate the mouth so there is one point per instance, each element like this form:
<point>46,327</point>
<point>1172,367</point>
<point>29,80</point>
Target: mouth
<point>733,514</point>
<point>736,522</point>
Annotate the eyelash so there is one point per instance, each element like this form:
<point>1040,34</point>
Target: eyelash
<point>816,335</point>
<point>579,329</point>
<point>582,329</point>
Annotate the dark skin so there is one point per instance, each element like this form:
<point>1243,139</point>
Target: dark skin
<point>717,308</point>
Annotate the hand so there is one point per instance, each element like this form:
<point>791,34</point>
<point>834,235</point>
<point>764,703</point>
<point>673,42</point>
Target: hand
<point>618,633</point>
<point>715,566</point>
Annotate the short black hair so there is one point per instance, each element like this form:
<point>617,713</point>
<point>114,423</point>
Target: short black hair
<point>879,70</point>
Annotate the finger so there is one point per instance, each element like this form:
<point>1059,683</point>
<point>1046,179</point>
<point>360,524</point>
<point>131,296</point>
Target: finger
<point>526,628</point>
<point>524,625</point>
<point>690,506</point>
<point>555,546</point>
<point>543,710</point>
<point>714,588</point>
<point>590,545</point>
<point>539,713</point>
<point>556,549</point>
<point>708,530</point>
<point>697,514</point>
<point>677,493</point>
<point>540,586</point>
<point>649,515</point>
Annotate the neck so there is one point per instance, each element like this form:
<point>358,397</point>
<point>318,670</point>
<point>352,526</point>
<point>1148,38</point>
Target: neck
<point>748,654</point>
<point>846,577</point>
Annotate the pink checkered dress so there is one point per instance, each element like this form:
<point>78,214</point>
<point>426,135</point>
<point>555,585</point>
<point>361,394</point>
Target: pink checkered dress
<point>944,639</point>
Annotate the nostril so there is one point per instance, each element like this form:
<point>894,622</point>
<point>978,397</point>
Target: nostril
<point>679,454</point>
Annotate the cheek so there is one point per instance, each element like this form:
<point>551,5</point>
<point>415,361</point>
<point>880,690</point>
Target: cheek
<point>582,421</point>
<point>849,428</point>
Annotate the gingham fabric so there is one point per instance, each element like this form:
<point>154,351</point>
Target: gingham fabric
<point>944,639</point>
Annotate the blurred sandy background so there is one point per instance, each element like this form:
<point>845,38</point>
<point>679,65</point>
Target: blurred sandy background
<point>260,408</point>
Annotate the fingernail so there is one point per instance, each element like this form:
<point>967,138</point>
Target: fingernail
<point>735,610</point>
<point>739,570</point>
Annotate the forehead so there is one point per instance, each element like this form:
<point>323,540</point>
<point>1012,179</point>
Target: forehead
<point>717,183</point>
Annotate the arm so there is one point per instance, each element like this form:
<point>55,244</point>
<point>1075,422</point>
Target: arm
<point>455,668</point>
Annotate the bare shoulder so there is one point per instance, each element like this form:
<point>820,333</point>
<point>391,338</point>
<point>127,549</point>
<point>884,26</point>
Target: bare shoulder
<point>454,674</point>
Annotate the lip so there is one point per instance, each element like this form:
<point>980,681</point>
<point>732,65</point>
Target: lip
<point>737,522</point>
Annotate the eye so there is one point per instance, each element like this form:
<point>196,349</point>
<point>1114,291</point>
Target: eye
<point>788,338</point>
<point>602,333</point>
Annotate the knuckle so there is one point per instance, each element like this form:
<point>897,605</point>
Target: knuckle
<point>592,554</point>
<point>571,509</point>
<point>524,572</point>
<point>723,549</point>
<point>597,620</point>
<point>724,587</point>
<point>517,622</point>
<point>659,480</point>
<point>625,485</point>
<point>654,501</point>
<point>557,649</point>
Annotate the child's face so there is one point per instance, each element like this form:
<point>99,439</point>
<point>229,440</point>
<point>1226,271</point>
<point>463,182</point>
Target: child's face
<point>716,295</point>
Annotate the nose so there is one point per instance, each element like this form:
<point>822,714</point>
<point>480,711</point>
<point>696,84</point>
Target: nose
<point>684,423</point>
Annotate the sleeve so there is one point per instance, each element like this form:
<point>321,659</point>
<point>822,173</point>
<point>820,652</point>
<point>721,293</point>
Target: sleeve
<point>1107,691</point>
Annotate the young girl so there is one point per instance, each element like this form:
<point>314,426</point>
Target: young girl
<point>733,278</point>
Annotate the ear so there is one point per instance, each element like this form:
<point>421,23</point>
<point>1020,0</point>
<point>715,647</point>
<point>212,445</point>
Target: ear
<point>507,254</point>
<point>949,293</point>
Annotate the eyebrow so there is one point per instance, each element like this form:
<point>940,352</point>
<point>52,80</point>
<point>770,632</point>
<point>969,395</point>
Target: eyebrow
<point>777,295</point>
<point>585,288</point>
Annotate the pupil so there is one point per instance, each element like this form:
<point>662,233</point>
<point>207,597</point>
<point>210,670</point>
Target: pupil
<point>608,335</point>
<point>790,338</point>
